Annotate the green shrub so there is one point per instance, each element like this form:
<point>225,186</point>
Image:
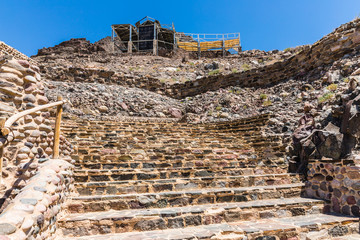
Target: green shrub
<point>245,67</point>
<point>234,70</point>
<point>332,87</point>
<point>267,103</point>
<point>287,49</point>
<point>299,100</point>
<point>213,72</point>
<point>263,96</point>
<point>326,97</point>
<point>218,108</point>
<point>346,80</point>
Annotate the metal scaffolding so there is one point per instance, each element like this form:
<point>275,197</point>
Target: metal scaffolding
<point>149,35</point>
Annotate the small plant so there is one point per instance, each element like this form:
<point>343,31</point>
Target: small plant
<point>245,107</point>
<point>346,80</point>
<point>326,97</point>
<point>213,72</point>
<point>245,67</point>
<point>192,63</point>
<point>299,100</point>
<point>131,69</point>
<point>234,70</point>
<point>263,96</point>
<point>267,103</point>
<point>178,69</point>
<point>231,91</point>
<point>162,80</point>
<point>261,60</point>
<point>218,108</point>
<point>332,87</point>
<point>287,49</point>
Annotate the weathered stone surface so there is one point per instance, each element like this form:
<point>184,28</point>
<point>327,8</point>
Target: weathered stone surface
<point>6,108</point>
<point>29,98</point>
<point>6,228</point>
<point>12,78</point>
<point>331,143</point>
<point>30,79</point>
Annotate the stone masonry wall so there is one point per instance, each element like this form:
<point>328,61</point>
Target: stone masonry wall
<point>336,182</point>
<point>333,46</point>
<point>31,138</point>
<point>34,211</point>
<point>7,50</point>
<point>309,60</point>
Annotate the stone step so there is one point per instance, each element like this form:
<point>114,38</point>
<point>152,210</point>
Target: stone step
<point>122,163</point>
<point>180,184</point>
<point>180,217</point>
<point>160,129</point>
<point>185,143</point>
<point>126,162</point>
<point>274,228</point>
<point>348,237</point>
<point>165,173</point>
<point>182,198</point>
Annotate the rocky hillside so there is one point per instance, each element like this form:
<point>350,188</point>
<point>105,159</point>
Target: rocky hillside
<point>114,84</point>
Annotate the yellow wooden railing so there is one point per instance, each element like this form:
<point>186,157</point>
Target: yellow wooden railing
<point>5,126</point>
<point>204,46</point>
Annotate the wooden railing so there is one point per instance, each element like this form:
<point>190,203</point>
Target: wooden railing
<point>5,126</point>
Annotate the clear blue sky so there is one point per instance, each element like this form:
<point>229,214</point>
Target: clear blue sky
<point>263,24</point>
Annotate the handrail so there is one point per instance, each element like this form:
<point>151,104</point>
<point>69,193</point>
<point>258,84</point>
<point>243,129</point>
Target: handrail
<point>5,127</point>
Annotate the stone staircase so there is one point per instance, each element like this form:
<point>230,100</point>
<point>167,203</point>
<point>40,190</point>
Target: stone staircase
<point>168,180</point>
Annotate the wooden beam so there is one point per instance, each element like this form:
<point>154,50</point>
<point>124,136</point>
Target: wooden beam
<point>2,123</point>
<point>6,129</point>
<point>57,129</point>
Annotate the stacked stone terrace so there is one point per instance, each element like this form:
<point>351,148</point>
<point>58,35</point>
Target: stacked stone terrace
<point>169,180</point>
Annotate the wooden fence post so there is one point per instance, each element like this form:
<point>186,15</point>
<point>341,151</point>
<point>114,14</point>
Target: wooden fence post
<point>57,129</point>
<point>2,122</point>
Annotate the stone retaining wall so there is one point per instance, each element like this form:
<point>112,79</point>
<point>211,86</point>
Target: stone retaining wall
<point>333,46</point>
<point>31,137</point>
<point>34,211</point>
<point>311,60</point>
<point>337,182</point>
<point>7,50</point>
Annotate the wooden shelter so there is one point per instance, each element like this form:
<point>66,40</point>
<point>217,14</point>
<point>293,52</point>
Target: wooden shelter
<point>149,34</point>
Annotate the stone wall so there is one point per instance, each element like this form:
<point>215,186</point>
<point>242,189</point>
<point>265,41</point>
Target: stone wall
<point>31,138</point>
<point>34,211</point>
<point>337,182</point>
<point>7,50</point>
<point>333,46</point>
<point>309,60</point>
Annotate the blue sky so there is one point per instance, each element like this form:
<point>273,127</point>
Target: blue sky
<point>263,24</point>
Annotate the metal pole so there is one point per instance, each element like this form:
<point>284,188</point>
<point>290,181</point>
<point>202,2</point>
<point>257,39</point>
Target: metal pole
<point>130,37</point>
<point>223,45</point>
<point>199,49</point>
<point>130,47</point>
<point>240,48</point>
